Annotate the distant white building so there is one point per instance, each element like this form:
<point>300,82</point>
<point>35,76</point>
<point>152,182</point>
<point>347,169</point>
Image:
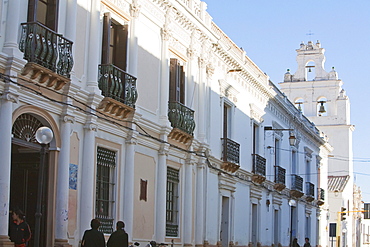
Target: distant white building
<point>320,96</point>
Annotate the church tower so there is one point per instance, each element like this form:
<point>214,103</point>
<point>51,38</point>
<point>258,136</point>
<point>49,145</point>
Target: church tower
<point>320,97</point>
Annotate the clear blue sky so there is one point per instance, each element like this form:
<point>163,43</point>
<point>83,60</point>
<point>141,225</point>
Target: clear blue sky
<point>271,30</point>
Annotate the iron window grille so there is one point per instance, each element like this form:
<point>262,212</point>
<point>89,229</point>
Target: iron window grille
<point>259,165</point>
<point>321,193</point>
<point>310,189</point>
<point>297,183</point>
<point>172,198</point>
<point>279,175</point>
<point>106,165</point>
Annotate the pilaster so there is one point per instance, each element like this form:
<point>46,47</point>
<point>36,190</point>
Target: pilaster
<point>160,217</point>
<point>165,71</point>
<point>63,182</point>
<point>188,200</point>
<point>87,204</point>
<point>128,207</point>
<point>9,97</point>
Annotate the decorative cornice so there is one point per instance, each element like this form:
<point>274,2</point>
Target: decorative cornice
<point>12,97</point>
<point>91,127</point>
<point>68,118</point>
<point>135,9</point>
<point>210,70</point>
<point>164,149</point>
<point>131,137</point>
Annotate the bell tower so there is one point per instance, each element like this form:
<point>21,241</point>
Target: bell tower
<point>319,95</point>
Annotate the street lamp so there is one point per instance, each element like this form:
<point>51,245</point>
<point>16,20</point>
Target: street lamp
<point>44,135</point>
<point>292,138</point>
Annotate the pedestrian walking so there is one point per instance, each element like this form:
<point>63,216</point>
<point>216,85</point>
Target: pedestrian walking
<point>92,237</point>
<point>19,230</point>
<point>295,243</point>
<point>307,242</point>
<point>119,238</point>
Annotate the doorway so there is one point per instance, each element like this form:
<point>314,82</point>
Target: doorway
<point>225,222</point>
<point>23,187</point>
<point>24,177</point>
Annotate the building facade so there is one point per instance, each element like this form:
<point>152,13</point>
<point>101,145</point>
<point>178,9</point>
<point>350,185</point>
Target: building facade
<point>159,120</point>
<point>320,96</point>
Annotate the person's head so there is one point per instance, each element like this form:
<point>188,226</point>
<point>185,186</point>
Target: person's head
<point>17,214</point>
<point>95,223</point>
<point>307,240</point>
<point>120,225</point>
<point>295,240</point>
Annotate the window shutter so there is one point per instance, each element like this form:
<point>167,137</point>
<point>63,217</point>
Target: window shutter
<point>32,7</point>
<point>106,38</point>
<point>143,189</point>
<point>173,72</point>
<point>182,85</point>
<point>120,53</point>
<point>52,15</point>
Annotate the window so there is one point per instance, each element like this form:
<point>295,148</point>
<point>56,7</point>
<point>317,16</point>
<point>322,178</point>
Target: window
<point>177,82</point>
<point>277,152</point>
<point>294,162</point>
<point>255,139</point>
<point>44,12</point>
<point>299,104</point>
<point>321,107</point>
<point>114,50</point>
<point>172,202</point>
<point>310,71</point>
<point>106,165</point>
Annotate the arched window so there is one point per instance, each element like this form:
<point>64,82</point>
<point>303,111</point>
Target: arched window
<point>299,104</point>
<point>321,107</point>
<point>310,71</point>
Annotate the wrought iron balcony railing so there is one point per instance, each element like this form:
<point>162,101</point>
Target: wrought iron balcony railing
<point>117,84</point>
<point>297,183</point>
<point>172,230</point>
<point>106,224</point>
<point>181,117</point>
<point>259,165</point>
<point>310,189</point>
<point>279,175</point>
<point>321,194</point>
<point>45,47</point>
<point>230,151</point>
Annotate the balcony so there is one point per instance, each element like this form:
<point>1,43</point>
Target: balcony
<point>119,89</point>
<point>321,196</point>
<point>230,155</point>
<point>310,191</point>
<point>259,169</point>
<point>182,122</point>
<point>297,186</point>
<point>279,178</point>
<point>49,55</point>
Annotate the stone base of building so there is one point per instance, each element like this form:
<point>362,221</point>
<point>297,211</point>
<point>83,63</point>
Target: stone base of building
<point>5,242</point>
<point>62,243</point>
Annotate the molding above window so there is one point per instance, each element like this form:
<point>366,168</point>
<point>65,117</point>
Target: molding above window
<point>228,91</point>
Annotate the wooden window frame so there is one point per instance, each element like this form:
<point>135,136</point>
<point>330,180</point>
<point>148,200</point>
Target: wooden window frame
<point>177,81</point>
<point>114,51</point>
<point>52,9</point>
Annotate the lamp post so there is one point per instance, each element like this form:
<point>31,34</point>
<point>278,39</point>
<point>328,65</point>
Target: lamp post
<point>44,135</point>
<point>292,138</point>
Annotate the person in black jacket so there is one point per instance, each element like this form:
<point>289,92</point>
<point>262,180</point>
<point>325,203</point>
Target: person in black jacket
<point>92,237</point>
<point>119,238</point>
<point>19,230</point>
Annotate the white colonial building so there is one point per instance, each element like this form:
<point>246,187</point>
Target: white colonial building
<point>159,120</point>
